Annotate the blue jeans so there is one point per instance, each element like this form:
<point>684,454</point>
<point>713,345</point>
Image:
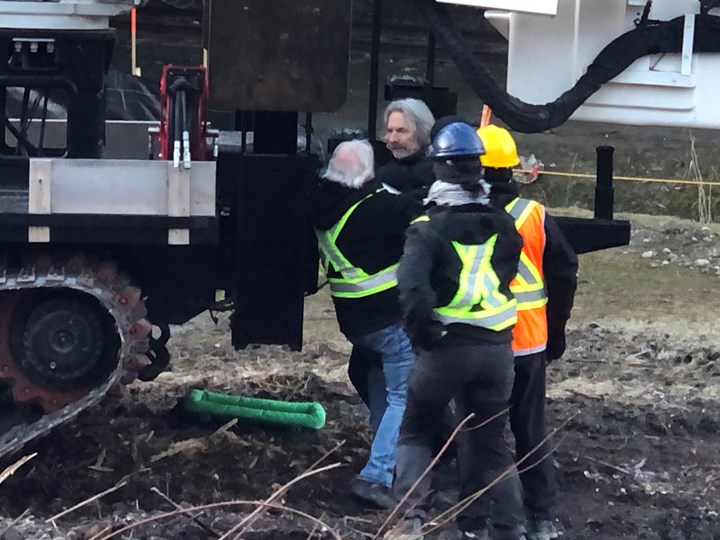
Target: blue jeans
<point>393,345</point>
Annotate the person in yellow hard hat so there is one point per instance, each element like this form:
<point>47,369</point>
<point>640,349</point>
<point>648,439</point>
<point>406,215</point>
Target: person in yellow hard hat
<point>544,289</point>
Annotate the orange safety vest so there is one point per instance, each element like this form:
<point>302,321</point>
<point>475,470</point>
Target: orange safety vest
<point>530,332</point>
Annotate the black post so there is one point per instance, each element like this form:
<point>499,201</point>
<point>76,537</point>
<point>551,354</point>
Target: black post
<point>604,192</point>
<point>241,125</point>
<point>275,132</point>
<point>308,132</point>
<point>374,68</point>
<point>430,63</point>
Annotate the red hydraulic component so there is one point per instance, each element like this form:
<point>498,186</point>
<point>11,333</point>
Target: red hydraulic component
<point>183,130</point>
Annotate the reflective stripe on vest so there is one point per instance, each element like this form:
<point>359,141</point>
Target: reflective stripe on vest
<point>530,332</point>
<point>528,287</point>
<point>354,282</point>
<point>478,300</point>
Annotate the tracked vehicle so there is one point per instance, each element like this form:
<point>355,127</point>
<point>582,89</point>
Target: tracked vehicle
<point>99,255</point>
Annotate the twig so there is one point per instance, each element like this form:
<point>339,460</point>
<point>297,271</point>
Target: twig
<point>279,493</point>
<point>326,455</point>
<point>452,512</point>
<point>425,472</point>
<point>9,471</point>
<point>315,528</point>
<point>213,506</point>
<point>358,519</point>
<point>609,465</point>
<point>709,484</point>
<point>130,475</point>
<point>587,396</point>
<point>637,354</point>
<point>539,461</point>
<point>107,529</point>
<point>14,521</point>
<point>196,519</point>
<point>434,462</point>
<point>87,501</point>
<point>241,527</point>
<point>224,427</point>
<point>487,420</point>
<point>312,532</point>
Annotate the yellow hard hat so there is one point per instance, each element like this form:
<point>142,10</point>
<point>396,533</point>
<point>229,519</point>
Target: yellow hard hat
<point>500,149</point>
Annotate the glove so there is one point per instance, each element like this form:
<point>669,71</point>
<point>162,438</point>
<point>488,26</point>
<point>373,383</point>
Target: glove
<point>556,346</point>
<point>425,333</point>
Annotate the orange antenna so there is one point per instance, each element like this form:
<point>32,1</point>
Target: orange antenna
<point>134,69</point>
<point>486,115</point>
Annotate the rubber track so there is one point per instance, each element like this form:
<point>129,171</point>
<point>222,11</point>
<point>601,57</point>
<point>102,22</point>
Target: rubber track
<point>121,300</point>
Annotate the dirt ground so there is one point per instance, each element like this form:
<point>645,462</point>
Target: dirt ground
<point>634,400</point>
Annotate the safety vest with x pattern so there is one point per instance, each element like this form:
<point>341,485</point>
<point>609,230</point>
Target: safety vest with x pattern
<point>528,287</point>
<point>478,300</point>
<point>353,282</point>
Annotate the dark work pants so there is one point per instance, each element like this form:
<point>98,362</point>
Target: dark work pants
<point>527,420</point>
<point>362,360</point>
<point>481,377</point>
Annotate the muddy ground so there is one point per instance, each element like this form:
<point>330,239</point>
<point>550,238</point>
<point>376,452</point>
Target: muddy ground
<point>635,400</point>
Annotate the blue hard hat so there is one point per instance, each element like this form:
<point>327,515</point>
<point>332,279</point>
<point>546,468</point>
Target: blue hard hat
<point>456,140</point>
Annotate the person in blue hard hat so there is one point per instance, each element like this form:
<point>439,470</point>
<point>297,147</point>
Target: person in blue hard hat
<point>454,284</point>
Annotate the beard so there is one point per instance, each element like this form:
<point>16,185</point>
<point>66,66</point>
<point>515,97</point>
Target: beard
<point>402,152</point>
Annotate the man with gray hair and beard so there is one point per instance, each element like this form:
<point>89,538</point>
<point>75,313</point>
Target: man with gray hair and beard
<point>361,232</point>
<point>408,123</point>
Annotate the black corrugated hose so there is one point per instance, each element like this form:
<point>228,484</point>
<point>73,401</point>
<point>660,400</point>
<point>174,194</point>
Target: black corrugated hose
<point>650,37</point>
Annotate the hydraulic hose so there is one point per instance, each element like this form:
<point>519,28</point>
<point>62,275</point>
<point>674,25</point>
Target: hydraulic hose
<point>651,37</point>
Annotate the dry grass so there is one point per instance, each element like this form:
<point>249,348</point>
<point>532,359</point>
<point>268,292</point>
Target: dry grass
<point>704,201</point>
<point>618,288</point>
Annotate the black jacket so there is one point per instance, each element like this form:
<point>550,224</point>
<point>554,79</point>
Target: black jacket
<point>413,174</point>
<point>430,270</point>
<point>372,239</point>
<point>560,267</point>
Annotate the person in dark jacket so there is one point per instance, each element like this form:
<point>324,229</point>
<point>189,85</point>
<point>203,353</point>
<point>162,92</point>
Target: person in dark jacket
<point>361,231</point>
<point>405,118</point>
<point>539,335</point>
<point>454,281</point>
<point>408,123</point>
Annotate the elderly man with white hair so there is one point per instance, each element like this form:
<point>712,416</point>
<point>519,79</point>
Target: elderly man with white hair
<point>361,232</point>
<point>408,123</point>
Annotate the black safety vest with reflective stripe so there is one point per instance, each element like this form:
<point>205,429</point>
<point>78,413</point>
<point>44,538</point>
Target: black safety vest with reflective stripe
<point>478,300</point>
<point>353,282</point>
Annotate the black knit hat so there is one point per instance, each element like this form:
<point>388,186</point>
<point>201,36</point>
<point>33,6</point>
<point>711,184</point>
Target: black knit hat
<point>444,121</point>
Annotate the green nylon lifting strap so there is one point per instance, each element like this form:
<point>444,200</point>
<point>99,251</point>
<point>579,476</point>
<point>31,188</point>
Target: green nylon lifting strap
<point>265,411</point>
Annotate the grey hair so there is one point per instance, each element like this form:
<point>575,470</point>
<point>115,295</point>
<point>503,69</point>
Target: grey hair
<point>417,114</point>
<point>352,164</point>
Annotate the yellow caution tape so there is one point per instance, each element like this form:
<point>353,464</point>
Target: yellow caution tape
<point>626,178</point>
